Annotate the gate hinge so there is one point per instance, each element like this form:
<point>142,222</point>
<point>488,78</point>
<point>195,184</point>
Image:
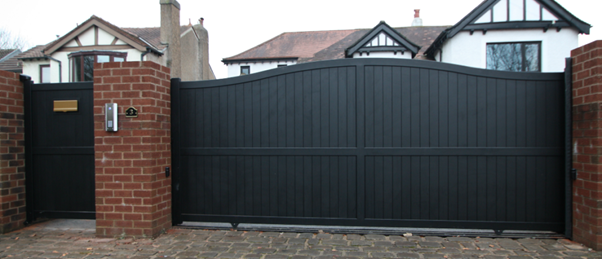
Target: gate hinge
<point>573,174</point>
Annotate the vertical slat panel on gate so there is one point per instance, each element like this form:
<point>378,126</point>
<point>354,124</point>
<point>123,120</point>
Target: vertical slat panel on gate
<point>374,142</point>
<point>59,152</point>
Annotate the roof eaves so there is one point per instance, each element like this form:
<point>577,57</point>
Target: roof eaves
<point>238,60</point>
<point>430,52</point>
<point>582,26</point>
<point>151,48</point>
<point>471,16</point>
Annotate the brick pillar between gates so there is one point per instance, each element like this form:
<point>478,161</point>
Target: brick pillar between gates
<point>133,195</point>
<point>12,153</point>
<point>587,144</point>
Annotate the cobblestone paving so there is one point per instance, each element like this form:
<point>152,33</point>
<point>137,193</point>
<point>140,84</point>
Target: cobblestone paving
<point>187,243</point>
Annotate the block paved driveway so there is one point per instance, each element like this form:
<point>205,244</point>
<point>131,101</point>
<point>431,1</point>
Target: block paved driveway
<point>69,241</point>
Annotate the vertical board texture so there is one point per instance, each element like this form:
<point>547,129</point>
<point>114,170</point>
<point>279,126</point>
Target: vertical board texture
<point>60,166</point>
<point>373,142</point>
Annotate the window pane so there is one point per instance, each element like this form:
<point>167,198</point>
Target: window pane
<point>45,76</point>
<point>118,59</point>
<point>88,68</point>
<point>102,58</point>
<point>505,57</point>
<point>532,57</point>
<point>245,70</point>
<point>514,56</point>
<point>77,69</point>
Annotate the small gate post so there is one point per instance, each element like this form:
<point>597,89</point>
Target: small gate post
<point>587,144</point>
<point>133,191</point>
<point>12,151</point>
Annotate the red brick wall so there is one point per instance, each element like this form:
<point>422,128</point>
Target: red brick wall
<point>133,196</point>
<point>12,153</point>
<point>587,141</point>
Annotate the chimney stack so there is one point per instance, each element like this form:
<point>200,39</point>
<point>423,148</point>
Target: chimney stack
<point>417,20</point>
<point>170,35</point>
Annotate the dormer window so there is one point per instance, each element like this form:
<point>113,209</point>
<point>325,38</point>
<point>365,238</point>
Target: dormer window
<point>82,63</point>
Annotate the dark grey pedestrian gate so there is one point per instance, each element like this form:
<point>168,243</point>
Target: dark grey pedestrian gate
<point>372,142</point>
<point>59,152</point>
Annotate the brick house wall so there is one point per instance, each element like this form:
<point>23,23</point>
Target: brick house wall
<point>133,195</point>
<point>12,152</point>
<point>587,144</point>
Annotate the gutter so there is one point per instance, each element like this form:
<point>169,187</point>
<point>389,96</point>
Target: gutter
<point>148,50</point>
<point>60,67</point>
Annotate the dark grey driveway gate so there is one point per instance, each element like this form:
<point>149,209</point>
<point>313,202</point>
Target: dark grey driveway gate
<point>372,142</point>
<point>59,152</point>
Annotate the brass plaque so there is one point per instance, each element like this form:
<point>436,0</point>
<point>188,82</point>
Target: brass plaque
<point>65,106</point>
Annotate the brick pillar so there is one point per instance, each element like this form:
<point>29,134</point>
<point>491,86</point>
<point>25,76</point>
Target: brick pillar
<point>587,144</point>
<point>133,196</point>
<point>12,153</point>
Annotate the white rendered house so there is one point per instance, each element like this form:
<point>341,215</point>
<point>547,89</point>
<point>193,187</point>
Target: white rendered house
<point>512,35</point>
<point>71,57</point>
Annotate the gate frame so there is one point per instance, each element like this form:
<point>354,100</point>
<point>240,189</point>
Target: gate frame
<point>360,86</point>
<point>568,159</point>
<point>29,174</point>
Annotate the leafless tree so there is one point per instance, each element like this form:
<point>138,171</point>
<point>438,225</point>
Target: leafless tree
<point>10,41</point>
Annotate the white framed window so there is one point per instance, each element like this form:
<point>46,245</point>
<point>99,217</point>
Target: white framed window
<point>44,73</point>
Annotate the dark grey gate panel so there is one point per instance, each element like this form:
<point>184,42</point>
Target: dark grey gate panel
<point>372,142</point>
<point>59,152</point>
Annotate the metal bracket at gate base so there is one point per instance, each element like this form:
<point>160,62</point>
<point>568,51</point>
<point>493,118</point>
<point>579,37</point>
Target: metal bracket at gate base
<point>498,231</point>
<point>234,225</point>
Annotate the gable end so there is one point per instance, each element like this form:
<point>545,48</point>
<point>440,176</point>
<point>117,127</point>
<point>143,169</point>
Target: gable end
<point>95,22</point>
<point>518,14</point>
<point>506,15</point>
<point>382,38</point>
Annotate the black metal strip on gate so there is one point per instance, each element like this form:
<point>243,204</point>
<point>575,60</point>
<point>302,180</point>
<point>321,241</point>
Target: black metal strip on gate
<point>568,143</point>
<point>372,142</point>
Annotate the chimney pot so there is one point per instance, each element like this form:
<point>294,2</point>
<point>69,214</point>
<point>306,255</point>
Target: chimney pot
<point>201,20</point>
<point>417,20</point>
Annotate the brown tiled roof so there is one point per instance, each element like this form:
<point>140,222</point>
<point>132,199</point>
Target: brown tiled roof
<point>35,52</point>
<point>152,35</point>
<point>294,44</point>
<point>326,45</point>
<point>422,35</point>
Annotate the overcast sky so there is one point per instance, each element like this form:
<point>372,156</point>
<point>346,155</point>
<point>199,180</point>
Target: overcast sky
<point>237,25</point>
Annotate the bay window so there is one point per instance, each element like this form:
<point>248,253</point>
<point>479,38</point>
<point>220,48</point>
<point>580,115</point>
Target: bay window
<point>82,63</point>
